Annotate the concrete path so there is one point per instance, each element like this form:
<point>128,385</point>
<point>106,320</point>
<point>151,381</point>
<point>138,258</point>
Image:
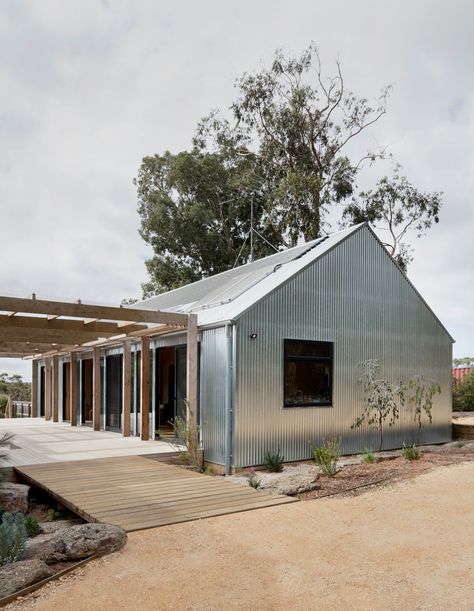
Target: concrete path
<point>37,441</point>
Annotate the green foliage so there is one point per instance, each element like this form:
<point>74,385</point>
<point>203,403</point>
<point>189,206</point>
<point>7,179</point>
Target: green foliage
<point>460,444</point>
<point>253,480</point>
<point>463,394</point>
<point>368,456</point>
<point>274,462</point>
<point>14,386</point>
<point>285,149</point>
<point>420,393</point>
<point>53,515</point>
<point>326,456</point>
<point>411,452</point>
<point>381,399</point>
<point>195,214</point>
<point>465,361</point>
<point>32,526</point>
<point>398,207</point>
<point>12,537</point>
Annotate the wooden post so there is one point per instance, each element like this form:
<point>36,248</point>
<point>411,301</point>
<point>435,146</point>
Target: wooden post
<point>96,389</point>
<point>145,388</point>
<point>73,394</point>
<point>55,387</point>
<point>47,389</point>
<point>192,374</point>
<point>127,387</point>
<point>34,389</point>
<point>9,408</point>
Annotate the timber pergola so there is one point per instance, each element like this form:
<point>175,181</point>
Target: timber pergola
<point>41,329</point>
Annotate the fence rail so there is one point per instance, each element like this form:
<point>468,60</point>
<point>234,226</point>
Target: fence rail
<point>21,409</point>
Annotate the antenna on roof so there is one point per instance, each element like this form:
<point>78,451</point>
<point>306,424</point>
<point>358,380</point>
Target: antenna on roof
<point>251,231</point>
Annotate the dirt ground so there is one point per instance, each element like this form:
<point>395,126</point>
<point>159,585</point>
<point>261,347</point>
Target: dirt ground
<point>408,544</point>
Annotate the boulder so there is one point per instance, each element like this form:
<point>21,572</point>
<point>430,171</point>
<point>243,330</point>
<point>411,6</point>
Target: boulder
<point>47,547</point>
<point>14,497</point>
<point>291,485</point>
<point>58,525</point>
<point>19,575</point>
<point>88,539</point>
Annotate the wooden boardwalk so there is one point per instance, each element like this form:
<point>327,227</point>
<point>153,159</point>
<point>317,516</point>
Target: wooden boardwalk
<point>137,493</point>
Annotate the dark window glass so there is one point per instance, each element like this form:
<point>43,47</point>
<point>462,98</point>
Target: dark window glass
<point>308,373</point>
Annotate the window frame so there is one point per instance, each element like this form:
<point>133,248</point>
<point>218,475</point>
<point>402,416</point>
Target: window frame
<point>308,359</point>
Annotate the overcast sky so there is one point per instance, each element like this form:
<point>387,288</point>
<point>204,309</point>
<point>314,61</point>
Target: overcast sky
<point>87,88</point>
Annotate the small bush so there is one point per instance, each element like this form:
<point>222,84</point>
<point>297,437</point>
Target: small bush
<point>254,482</point>
<point>274,462</point>
<point>54,515</point>
<point>12,537</point>
<point>32,526</point>
<point>460,444</point>
<point>411,452</point>
<point>368,456</point>
<point>326,456</point>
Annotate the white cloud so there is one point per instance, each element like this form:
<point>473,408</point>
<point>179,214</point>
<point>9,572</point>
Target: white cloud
<point>88,88</point>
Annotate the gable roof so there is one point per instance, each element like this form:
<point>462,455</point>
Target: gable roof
<point>229,294</point>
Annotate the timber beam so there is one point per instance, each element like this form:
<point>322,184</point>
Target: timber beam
<point>80,310</point>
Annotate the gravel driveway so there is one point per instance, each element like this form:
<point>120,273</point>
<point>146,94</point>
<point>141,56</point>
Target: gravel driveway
<point>405,546</point>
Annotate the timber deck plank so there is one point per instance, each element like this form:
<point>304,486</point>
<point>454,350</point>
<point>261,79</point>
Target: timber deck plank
<point>138,493</point>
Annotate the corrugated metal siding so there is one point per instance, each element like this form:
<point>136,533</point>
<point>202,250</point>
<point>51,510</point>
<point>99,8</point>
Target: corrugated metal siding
<point>212,393</point>
<point>355,297</point>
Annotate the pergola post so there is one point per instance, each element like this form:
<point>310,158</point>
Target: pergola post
<point>145,388</point>
<point>127,387</point>
<point>55,387</point>
<point>73,394</point>
<point>96,389</point>
<point>34,388</point>
<point>47,389</point>
<point>192,375</point>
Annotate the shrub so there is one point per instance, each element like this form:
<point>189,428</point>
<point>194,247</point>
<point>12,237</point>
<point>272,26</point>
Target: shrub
<point>326,456</point>
<point>411,452</point>
<point>54,515</point>
<point>254,482</point>
<point>368,456</point>
<point>32,526</point>
<point>274,462</point>
<point>463,394</point>
<point>12,537</point>
<point>381,399</point>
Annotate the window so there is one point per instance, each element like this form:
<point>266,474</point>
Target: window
<point>308,373</point>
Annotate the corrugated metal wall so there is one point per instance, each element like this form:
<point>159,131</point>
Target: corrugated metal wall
<point>212,393</point>
<point>355,297</point>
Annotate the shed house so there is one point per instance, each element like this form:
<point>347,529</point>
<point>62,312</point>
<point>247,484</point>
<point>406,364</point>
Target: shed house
<point>280,340</point>
<point>280,343</point>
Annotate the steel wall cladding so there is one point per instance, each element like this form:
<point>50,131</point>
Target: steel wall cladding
<point>355,297</point>
<point>213,369</point>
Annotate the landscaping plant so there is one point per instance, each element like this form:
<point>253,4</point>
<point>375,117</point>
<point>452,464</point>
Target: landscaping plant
<point>189,437</point>
<point>12,537</point>
<point>411,452</point>
<point>421,398</point>
<point>254,482</point>
<point>381,399</point>
<point>463,394</point>
<point>368,456</point>
<point>326,456</point>
<point>32,526</point>
<point>274,462</point>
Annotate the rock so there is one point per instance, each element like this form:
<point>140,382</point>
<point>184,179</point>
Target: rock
<point>88,539</point>
<point>19,575</point>
<point>14,497</point>
<point>58,525</point>
<point>291,484</point>
<point>46,547</point>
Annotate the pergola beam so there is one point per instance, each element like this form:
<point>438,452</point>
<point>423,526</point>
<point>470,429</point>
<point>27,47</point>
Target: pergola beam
<point>45,336</point>
<point>80,310</point>
<point>93,327</point>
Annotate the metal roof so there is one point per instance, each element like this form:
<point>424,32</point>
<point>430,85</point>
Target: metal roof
<point>227,295</point>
